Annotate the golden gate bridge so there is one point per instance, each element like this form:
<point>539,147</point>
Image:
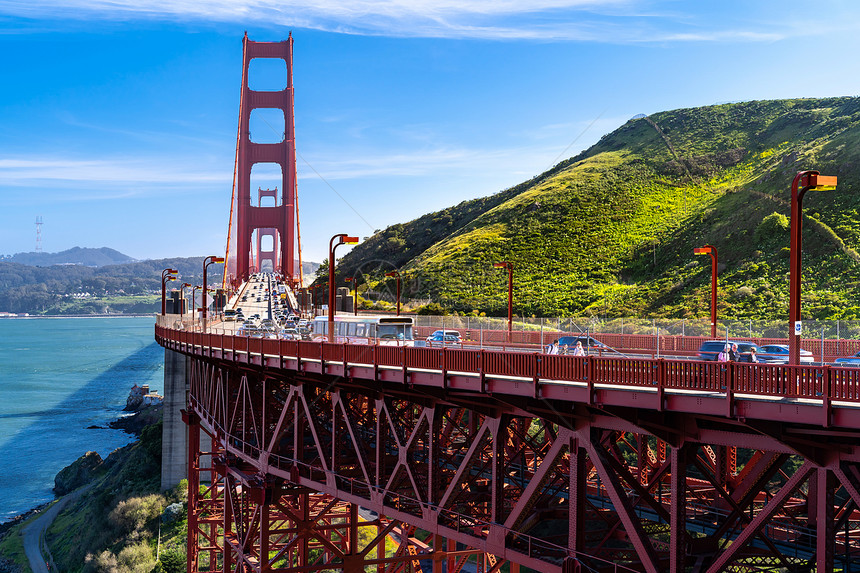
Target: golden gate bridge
<point>313,456</point>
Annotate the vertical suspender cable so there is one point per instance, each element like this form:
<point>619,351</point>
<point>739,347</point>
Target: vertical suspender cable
<point>236,161</point>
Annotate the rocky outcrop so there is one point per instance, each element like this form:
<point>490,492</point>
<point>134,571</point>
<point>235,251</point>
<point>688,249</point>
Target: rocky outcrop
<point>135,423</point>
<point>79,473</point>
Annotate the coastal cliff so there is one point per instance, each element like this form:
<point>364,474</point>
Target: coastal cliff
<point>114,524</point>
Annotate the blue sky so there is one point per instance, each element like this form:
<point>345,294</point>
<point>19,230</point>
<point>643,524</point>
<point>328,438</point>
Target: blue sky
<point>118,118</point>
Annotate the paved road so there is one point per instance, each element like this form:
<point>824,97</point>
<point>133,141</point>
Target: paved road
<point>34,530</point>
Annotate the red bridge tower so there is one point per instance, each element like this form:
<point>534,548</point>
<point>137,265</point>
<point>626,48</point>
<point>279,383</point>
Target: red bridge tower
<point>281,218</point>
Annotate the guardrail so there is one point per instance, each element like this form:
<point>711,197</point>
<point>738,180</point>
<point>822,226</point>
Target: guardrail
<point>768,380</point>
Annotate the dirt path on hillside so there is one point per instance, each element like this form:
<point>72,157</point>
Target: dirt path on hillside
<point>34,531</point>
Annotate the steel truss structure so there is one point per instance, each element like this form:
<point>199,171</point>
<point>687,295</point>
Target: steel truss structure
<point>549,485</point>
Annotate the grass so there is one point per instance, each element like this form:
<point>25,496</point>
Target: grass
<point>12,545</point>
<point>624,217</point>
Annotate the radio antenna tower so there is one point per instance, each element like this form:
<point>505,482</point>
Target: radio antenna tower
<point>38,233</point>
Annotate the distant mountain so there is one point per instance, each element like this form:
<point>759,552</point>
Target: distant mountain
<point>74,256</point>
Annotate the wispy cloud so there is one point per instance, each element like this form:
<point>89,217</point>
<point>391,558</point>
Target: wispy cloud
<point>118,178</point>
<point>105,179</point>
<point>424,162</point>
<point>605,21</point>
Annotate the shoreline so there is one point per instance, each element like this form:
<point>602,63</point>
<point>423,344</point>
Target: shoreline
<point>131,423</point>
<point>153,315</point>
<point>22,517</point>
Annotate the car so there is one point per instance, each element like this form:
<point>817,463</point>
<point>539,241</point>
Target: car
<point>710,350</point>
<point>588,343</point>
<point>447,339</point>
<point>444,332</point>
<point>848,361</point>
<point>229,314</point>
<point>778,354</point>
<point>289,334</point>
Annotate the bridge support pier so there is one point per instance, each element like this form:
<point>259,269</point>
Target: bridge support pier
<point>174,436</point>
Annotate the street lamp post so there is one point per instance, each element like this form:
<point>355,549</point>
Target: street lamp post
<point>354,293</point>
<point>182,296</point>
<point>711,250</point>
<point>312,299</point>
<point>510,267</point>
<point>166,275</point>
<point>396,274</point>
<point>194,302</point>
<point>342,239</point>
<point>206,262</point>
<point>803,182</point>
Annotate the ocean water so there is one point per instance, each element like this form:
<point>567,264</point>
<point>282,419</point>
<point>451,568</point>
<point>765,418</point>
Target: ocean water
<point>58,376</point>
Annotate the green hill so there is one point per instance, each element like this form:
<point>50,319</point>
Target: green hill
<point>612,230</point>
<point>132,288</point>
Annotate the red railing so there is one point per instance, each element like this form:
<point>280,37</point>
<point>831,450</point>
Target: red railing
<point>770,380</point>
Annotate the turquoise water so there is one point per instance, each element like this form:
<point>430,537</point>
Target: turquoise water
<point>58,377</point>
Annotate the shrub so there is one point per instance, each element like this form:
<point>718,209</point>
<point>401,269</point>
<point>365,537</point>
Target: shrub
<point>172,560</point>
<point>432,309</point>
<point>104,562</point>
<point>743,292</point>
<point>132,515</point>
<point>136,558</point>
<point>774,226</point>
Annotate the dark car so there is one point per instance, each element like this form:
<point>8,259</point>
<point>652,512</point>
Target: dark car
<point>588,343</point>
<point>778,354</point>
<point>710,350</point>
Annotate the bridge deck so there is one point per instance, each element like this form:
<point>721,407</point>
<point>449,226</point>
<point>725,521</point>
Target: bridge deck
<point>823,396</point>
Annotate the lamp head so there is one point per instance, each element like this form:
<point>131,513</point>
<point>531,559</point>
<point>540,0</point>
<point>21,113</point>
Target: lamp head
<point>350,240</point>
<point>701,251</point>
<point>501,265</point>
<point>392,274</point>
<point>817,182</point>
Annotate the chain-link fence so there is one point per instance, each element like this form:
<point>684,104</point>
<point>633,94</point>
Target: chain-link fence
<point>812,329</point>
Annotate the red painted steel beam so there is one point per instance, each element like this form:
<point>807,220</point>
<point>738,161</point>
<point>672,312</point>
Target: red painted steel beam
<point>678,541</point>
<point>633,526</point>
<point>755,526</point>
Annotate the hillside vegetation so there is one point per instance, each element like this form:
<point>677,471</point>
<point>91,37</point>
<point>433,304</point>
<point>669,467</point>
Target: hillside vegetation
<point>131,288</point>
<point>612,230</point>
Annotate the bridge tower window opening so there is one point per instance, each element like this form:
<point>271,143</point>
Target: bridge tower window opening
<point>266,179</point>
<point>267,126</point>
<point>267,75</point>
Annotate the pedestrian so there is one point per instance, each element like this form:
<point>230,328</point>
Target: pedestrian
<point>734,355</point>
<point>578,350</point>
<point>552,348</point>
<point>753,357</point>
<point>724,355</point>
